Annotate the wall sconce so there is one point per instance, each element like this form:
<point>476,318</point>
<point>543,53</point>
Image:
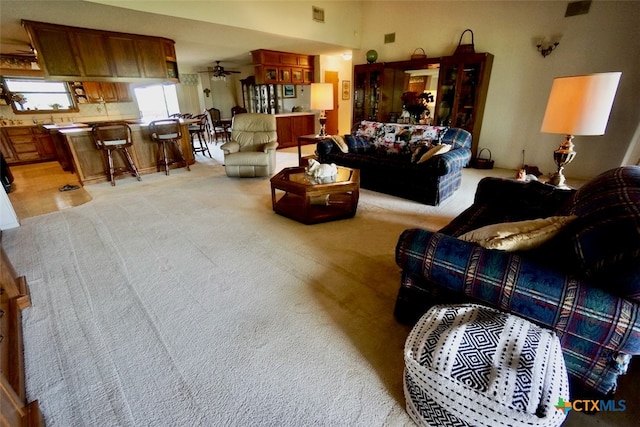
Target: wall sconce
<point>207,91</point>
<point>546,48</point>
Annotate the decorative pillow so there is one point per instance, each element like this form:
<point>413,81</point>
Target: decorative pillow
<point>518,235</point>
<point>434,151</point>
<point>339,140</point>
<point>357,144</point>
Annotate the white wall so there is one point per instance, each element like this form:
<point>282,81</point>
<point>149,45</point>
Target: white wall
<point>606,39</point>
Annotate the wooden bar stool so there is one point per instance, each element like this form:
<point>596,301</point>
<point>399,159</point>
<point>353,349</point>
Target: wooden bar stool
<point>168,132</point>
<point>199,130</point>
<point>115,137</point>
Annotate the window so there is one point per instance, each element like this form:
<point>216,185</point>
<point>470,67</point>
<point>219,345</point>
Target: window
<point>38,96</point>
<point>157,101</point>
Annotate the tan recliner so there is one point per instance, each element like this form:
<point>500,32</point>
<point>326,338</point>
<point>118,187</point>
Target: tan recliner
<point>252,149</point>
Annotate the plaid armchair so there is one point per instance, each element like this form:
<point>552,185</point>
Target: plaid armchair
<point>584,283</point>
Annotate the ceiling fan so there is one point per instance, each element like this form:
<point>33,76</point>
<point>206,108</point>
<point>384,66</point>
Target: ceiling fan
<point>218,72</point>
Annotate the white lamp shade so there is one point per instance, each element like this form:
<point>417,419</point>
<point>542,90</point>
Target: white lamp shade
<point>580,105</point>
<point>321,96</point>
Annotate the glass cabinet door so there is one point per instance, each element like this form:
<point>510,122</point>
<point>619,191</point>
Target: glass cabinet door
<point>446,94</point>
<point>457,95</point>
<point>367,91</point>
<point>358,96</point>
<point>466,96</point>
<point>463,84</point>
<point>373,101</point>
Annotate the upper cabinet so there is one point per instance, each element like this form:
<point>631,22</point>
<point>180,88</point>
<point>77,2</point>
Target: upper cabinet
<point>273,67</point>
<point>78,54</point>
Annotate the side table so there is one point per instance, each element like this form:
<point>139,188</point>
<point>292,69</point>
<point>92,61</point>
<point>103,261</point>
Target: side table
<point>307,139</point>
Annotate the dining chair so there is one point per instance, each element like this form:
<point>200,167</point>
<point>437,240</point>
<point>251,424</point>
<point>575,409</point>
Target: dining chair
<point>219,128</point>
<point>237,110</point>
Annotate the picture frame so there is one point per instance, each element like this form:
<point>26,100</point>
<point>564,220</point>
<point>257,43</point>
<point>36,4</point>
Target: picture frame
<point>288,91</point>
<point>346,89</point>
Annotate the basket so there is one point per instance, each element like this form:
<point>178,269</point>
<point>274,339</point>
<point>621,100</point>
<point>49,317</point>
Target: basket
<point>465,49</point>
<point>480,163</point>
<point>416,55</point>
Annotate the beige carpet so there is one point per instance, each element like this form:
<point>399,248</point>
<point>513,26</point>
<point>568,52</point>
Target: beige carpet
<point>185,301</point>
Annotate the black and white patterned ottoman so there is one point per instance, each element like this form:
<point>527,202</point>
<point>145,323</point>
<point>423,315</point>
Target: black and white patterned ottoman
<point>469,365</point>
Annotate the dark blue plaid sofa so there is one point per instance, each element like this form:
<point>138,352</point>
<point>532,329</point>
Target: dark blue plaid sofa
<point>584,283</point>
<point>383,152</point>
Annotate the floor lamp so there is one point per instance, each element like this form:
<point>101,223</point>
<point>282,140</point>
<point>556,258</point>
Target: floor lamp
<point>578,105</point>
<point>322,99</point>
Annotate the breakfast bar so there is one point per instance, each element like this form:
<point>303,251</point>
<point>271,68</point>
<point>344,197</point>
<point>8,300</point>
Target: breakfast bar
<point>88,162</point>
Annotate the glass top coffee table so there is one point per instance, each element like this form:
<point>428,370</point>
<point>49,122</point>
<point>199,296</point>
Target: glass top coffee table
<point>310,201</point>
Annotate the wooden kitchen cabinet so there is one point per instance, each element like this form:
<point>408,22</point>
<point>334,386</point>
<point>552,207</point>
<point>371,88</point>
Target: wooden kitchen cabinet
<point>81,54</point>
<point>290,127</point>
<point>60,59</point>
<point>125,57</point>
<point>45,144</point>
<point>27,144</point>
<point>92,54</point>
<point>152,58</point>
<point>96,92</point>
<point>273,67</point>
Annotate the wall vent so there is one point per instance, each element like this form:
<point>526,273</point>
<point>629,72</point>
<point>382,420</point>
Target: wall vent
<point>318,14</point>
<point>578,8</point>
<point>390,38</point>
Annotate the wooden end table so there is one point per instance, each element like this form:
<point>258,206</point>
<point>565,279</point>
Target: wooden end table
<point>311,202</point>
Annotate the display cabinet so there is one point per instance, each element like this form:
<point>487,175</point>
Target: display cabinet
<point>462,91</point>
<point>367,91</point>
<point>259,98</point>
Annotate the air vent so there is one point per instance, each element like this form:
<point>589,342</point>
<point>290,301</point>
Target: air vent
<point>390,38</point>
<point>318,14</point>
<point>578,8</point>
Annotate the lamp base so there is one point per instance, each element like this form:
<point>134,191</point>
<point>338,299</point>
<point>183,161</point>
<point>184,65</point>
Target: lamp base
<point>323,122</point>
<point>562,156</point>
<point>558,179</point>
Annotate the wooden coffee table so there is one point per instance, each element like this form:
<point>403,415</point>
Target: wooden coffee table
<point>310,202</point>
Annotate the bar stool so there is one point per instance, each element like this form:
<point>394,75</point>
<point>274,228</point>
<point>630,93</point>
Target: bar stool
<point>167,131</point>
<point>115,137</point>
<point>199,130</point>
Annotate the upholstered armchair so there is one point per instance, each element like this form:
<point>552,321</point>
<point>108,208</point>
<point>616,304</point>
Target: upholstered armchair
<point>252,149</point>
<point>584,283</point>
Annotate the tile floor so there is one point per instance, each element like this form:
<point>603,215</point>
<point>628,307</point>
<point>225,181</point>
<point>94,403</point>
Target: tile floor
<point>36,189</point>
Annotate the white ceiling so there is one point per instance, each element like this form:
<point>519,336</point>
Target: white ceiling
<point>198,44</point>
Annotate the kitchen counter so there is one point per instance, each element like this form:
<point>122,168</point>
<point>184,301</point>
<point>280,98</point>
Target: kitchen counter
<point>88,161</point>
<point>305,113</point>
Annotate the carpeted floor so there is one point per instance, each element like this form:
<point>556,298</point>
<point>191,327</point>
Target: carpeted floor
<point>185,301</point>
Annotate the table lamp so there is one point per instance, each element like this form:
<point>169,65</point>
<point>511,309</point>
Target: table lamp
<point>578,105</point>
<point>322,99</point>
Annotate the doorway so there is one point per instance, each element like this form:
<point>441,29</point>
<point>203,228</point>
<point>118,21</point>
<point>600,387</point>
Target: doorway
<point>332,115</point>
